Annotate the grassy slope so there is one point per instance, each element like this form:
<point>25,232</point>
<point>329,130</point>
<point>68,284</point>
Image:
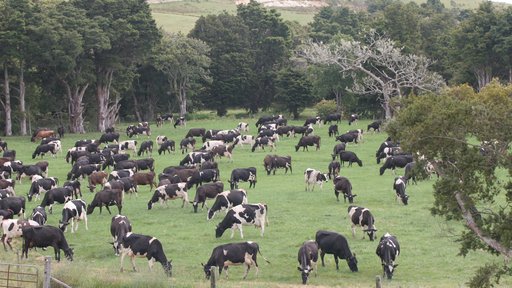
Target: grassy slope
<point>428,256</point>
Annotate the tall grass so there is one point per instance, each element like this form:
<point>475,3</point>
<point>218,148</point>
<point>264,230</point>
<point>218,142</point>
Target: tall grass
<point>429,253</point>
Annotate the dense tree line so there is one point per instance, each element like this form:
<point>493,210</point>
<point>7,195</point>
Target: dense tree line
<point>88,64</point>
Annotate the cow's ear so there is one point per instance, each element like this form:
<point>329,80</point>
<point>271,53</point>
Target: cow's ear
<point>298,268</point>
<point>202,265</point>
<point>395,265</point>
<point>354,195</point>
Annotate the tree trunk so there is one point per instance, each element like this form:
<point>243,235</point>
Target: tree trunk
<point>75,107</point>
<point>385,105</point>
<point>104,81</point>
<point>136,108</point>
<point>183,101</point>
<point>483,76</point>
<point>337,95</point>
<point>7,103</point>
<point>23,113</point>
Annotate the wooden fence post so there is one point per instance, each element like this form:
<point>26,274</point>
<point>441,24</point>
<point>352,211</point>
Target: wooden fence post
<point>47,272</point>
<point>213,276</point>
<point>378,283</point>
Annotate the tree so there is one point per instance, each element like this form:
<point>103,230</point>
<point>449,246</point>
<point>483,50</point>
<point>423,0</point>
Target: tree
<point>293,91</point>
<point>467,137</point>
<point>331,21</point>
<point>185,62</point>
<point>376,67</point>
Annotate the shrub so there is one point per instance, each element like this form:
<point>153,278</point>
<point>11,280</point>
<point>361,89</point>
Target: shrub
<point>325,107</point>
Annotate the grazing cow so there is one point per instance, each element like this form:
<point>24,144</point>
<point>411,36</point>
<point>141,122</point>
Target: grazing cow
<point>410,173</point>
<point>245,139</point>
<point>75,187</point>
<point>6,214</point>
<point>160,139</point>
<point>8,184</point>
<point>243,214</point>
<point>167,145</point>
<point>4,193</point>
<point>306,141</point>
<point>140,178</point>
<point>12,228</point>
<point>97,178</point>
<point>206,175</point>
<point>333,117</point>
<point>3,145</point>
<point>109,137</point>
<point>187,143</point>
<point>388,152</point>
<point>312,177</point>
<point>15,204</point>
<point>343,185</point>
<point>350,157</point>
<point>362,217</point>
<point>118,174</point>
<point>333,130</point>
<point>388,250</point>
<point>161,118</point>
<point>44,236</point>
<point>399,187</point>
<point>181,175</point>
<point>145,164</point>
<point>125,184</point>
<point>43,149</point>
<point>395,161</point>
<point>180,122</point>
<point>169,192</point>
<point>313,120</point>
<point>9,154</point>
<point>224,150</point>
<point>264,141</point>
<point>39,215</point>
<point>337,149</point>
<point>353,118</point>
<point>126,164</point>
<point>60,195</point>
<point>336,244</point>
<point>243,174</point>
<point>308,258</point>
<point>41,133</point>
<point>242,127</point>
<point>348,137</point>
<point>41,185</point>
<point>146,147</point>
<point>272,162</point>
<point>263,119</point>
<point>195,132</point>
<point>334,169</point>
<point>226,200</point>
<point>206,191</point>
<point>84,142</point>
<point>387,143</point>
<point>208,145</point>
<point>136,131</point>
<point>229,254</point>
<point>73,211</point>
<point>194,158</point>
<point>107,197</point>
<point>119,227</point>
<point>375,126</point>
<point>85,170</point>
<point>137,245</point>
<point>126,145</point>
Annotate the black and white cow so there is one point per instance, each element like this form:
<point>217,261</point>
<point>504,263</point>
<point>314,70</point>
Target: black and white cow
<point>60,195</point>
<point>336,244</point>
<point>169,192</point>
<point>187,143</point>
<point>388,250</point>
<point>109,137</point>
<point>146,147</point>
<point>375,125</point>
<point>208,145</point>
<point>333,130</point>
<point>388,152</point>
<point>161,118</point>
<point>194,158</point>
<point>119,227</point>
<point>243,174</point>
<point>245,139</point>
<point>395,161</point>
<point>207,191</point>
<point>353,118</point>
<point>73,211</point>
<point>206,175</point>
<point>137,245</point>
<point>350,157</point>
<point>229,254</point>
<point>343,185</point>
<point>136,131</point>
<point>15,204</point>
<point>180,121</point>
<point>195,132</point>
<point>264,119</point>
<point>167,146</point>
<point>242,127</point>
<point>43,149</point>
<point>29,171</point>
<point>313,120</point>
<point>314,177</point>
<point>332,117</point>
<point>226,200</point>
<point>387,143</point>
<point>305,141</point>
<point>39,215</point>
<point>399,187</point>
<point>44,236</point>
<point>263,141</point>
<point>75,187</point>
<point>118,174</point>
<point>243,214</point>
<point>360,216</point>
<point>12,228</point>
<point>272,162</point>
<point>308,258</point>
<point>41,185</point>
<point>126,145</point>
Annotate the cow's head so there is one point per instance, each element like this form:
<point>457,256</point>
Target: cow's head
<point>207,271</point>
<point>297,148</point>
<point>168,268</point>
<point>69,254</point>
<point>305,273</point>
<point>389,269</point>
<point>351,197</point>
<point>352,263</point>
<point>371,233</point>
<point>62,226</point>
<point>219,231</point>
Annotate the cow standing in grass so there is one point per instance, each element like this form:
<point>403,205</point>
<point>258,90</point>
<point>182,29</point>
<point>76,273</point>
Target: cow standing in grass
<point>308,258</point>
<point>314,177</point>
<point>360,216</point>
<point>388,250</point>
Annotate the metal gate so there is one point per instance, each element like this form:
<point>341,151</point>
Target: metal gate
<point>18,275</point>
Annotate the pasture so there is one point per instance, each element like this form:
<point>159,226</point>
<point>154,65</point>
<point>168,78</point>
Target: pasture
<point>428,257</point>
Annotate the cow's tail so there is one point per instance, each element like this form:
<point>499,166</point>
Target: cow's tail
<point>266,260</point>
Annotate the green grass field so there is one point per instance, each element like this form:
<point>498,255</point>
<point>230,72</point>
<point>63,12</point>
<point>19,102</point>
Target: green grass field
<point>429,253</point>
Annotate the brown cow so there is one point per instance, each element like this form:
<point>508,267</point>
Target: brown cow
<point>42,133</point>
<point>97,177</point>
<point>140,178</point>
<point>107,197</point>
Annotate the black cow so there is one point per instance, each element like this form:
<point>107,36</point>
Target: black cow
<point>243,214</point>
<point>3,145</point>
<point>109,137</point>
<point>39,215</point>
<point>119,227</point>
<point>308,258</point>
<point>60,195</point>
<point>145,164</point>
<point>206,191</point>
<point>333,130</point>
<point>44,236</point>
<point>126,164</point>
<point>180,122</point>
<point>306,141</point>
<point>375,125</point>
<point>43,149</point>
<point>263,119</point>
<point>399,187</point>
<point>6,214</point>
<point>387,143</point>
<point>337,149</point>
<point>126,184</point>
<point>350,157</point>
<point>343,185</point>
<point>10,154</point>
<point>28,171</point>
<point>137,245</point>
<point>83,142</point>
<point>145,147</point>
<point>395,161</point>
<point>168,146</point>
<point>73,211</point>
<point>195,132</point>
<point>233,254</point>
<point>272,162</point>
<point>206,175</point>
<point>15,204</point>
<point>410,173</point>
<point>107,197</point>
<point>360,216</point>
<point>243,174</point>
<point>348,137</point>
<point>113,159</point>
<point>313,120</point>
<point>332,117</point>
<point>75,187</point>
<point>41,185</point>
<point>187,143</point>
<point>299,130</point>
<point>388,250</point>
<point>336,244</point>
<point>226,200</point>
<point>334,169</point>
<point>353,118</point>
<point>209,134</point>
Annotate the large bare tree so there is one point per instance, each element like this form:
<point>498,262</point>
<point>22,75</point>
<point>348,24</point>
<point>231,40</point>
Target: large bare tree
<point>377,67</point>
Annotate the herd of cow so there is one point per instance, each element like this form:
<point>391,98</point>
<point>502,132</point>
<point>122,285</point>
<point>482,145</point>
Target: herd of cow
<point>89,161</point>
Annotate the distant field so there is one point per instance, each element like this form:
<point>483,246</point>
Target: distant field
<point>429,253</point>
<point>181,16</point>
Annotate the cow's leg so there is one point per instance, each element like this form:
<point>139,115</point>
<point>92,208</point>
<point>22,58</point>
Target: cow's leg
<point>354,230</point>
<point>108,209</point>
<point>337,195</point>
<point>4,240</point>
<point>322,254</point>
<point>132,258</point>
<point>85,222</point>
<point>336,261</point>
<point>122,260</point>
<point>247,268</point>
<point>151,262</point>
<point>57,252</point>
